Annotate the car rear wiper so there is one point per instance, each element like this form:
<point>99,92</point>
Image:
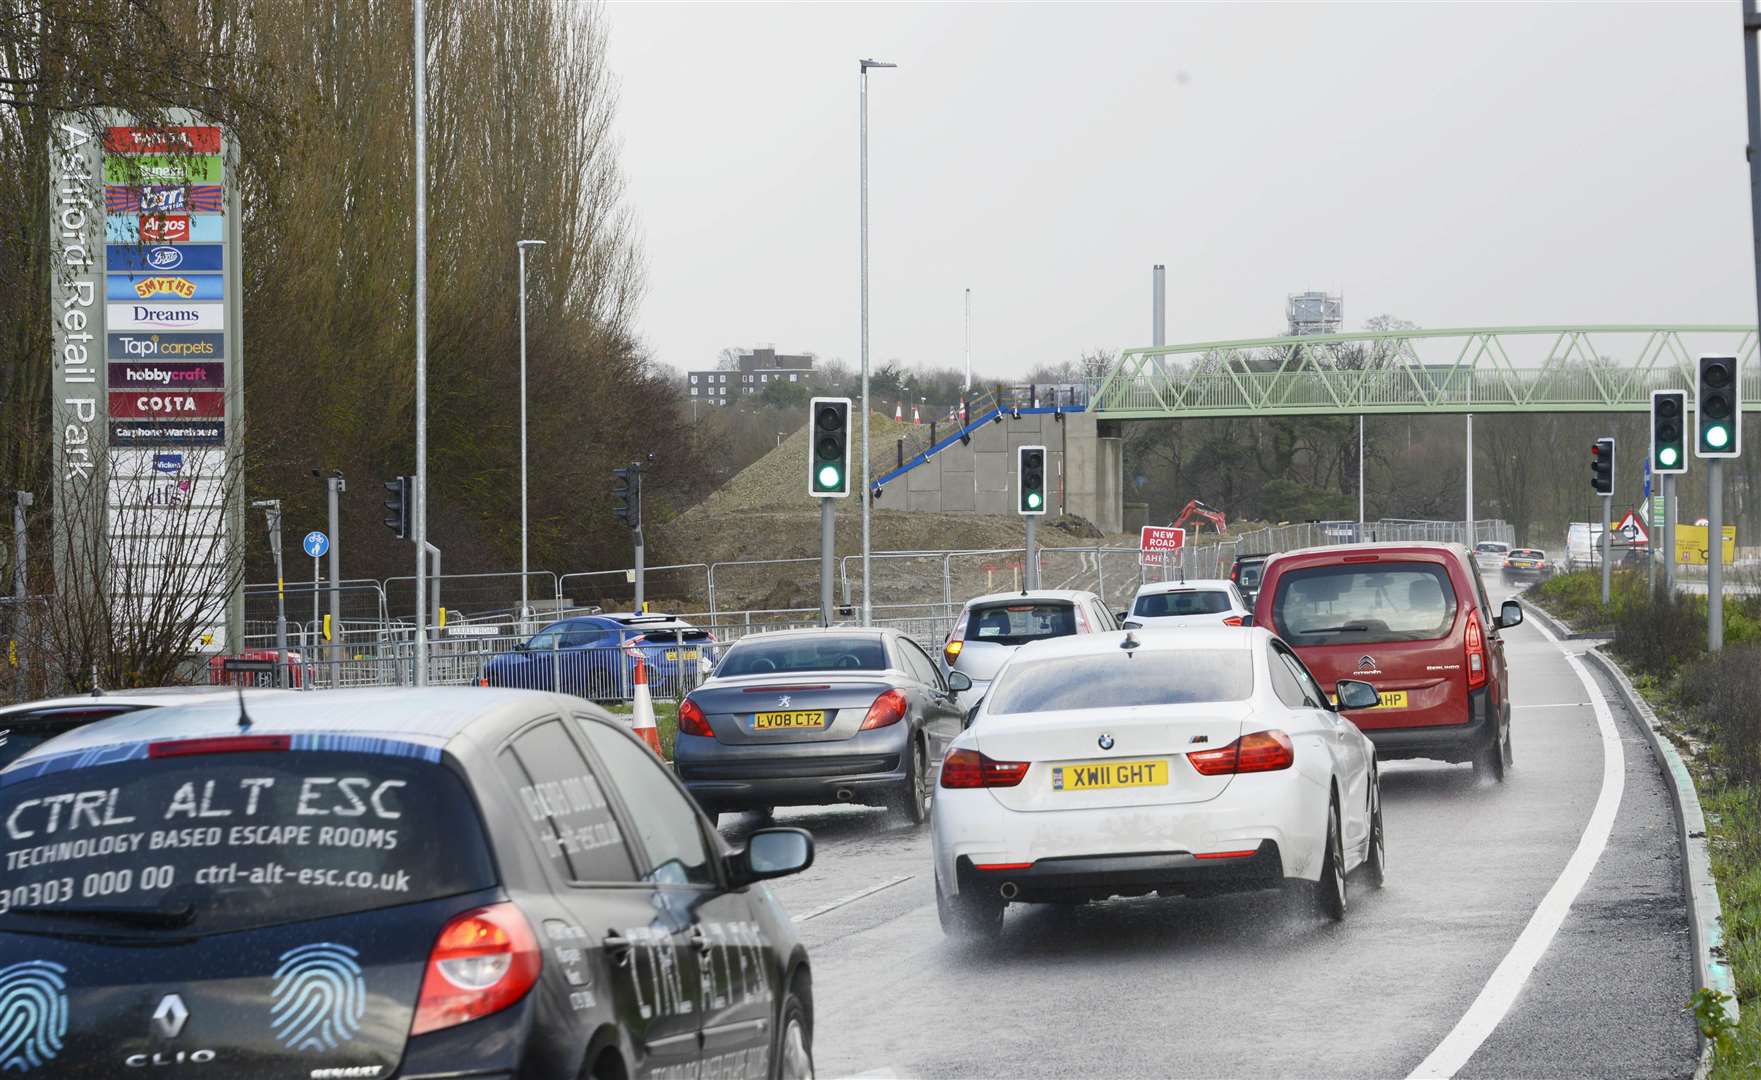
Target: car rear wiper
<point>149,918</point>
<point>1348,628</point>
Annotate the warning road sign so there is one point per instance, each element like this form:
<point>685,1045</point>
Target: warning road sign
<point>1632,530</point>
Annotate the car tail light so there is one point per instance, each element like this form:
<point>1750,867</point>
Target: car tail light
<point>226,744</point>
<point>692,721</point>
<point>1235,574</point>
<point>1263,751</point>
<point>971,769</point>
<point>887,710</point>
<point>951,651</point>
<point>1476,651</point>
<point>483,961</point>
<point>1233,620</point>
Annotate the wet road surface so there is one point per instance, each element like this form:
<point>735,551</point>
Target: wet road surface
<point>1237,986</point>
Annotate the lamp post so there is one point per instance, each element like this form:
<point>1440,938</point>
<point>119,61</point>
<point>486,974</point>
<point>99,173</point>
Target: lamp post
<point>521,246</point>
<point>867,595</point>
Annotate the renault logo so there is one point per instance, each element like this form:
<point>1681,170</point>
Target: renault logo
<point>1106,742</point>
<point>170,1016</point>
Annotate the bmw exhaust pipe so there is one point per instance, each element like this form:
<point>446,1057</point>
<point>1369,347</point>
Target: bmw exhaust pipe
<point>1009,890</point>
<point>844,794</point>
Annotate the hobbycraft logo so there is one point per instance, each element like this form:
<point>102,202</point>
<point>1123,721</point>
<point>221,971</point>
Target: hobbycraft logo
<point>159,286</point>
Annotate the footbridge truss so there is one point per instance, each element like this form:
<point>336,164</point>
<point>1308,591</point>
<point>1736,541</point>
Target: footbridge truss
<point>1483,370</point>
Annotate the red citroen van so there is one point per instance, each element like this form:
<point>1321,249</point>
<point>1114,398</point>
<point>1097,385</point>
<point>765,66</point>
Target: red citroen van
<point>1413,620</point>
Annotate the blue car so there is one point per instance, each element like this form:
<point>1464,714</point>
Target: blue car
<point>594,656</point>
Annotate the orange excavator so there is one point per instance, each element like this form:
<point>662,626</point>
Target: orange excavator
<point>1196,509</point>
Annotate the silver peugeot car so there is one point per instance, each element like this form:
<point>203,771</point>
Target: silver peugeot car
<point>809,717</point>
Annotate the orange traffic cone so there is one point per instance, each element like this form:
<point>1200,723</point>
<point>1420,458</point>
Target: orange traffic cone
<point>898,413</point>
<point>916,420</point>
<point>642,712</point>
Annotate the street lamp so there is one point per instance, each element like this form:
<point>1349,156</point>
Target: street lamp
<point>272,510</point>
<point>522,246</point>
<point>867,598</point>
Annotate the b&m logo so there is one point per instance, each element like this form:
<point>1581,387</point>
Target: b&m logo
<point>159,199</point>
<point>164,258</point>
<point>167,463</point>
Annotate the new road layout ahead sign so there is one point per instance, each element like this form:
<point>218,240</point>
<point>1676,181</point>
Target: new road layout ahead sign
<point>1157,542</point>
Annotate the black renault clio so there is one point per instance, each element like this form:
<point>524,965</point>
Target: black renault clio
<point>385,883</point>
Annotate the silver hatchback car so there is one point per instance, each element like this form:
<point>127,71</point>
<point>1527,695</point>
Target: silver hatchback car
<point>993,626</point>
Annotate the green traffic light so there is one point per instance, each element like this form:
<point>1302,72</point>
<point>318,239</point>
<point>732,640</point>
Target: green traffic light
<point>828,476</point>
<point>1033,500</point>
<point>1666,457</point>
<point>1717,436</point>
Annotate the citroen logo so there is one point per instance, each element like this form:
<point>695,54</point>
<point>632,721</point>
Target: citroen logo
<point>783,702</point>
<point>170,1016</point>
<point>1106,742</point>
<point>1366,661</point>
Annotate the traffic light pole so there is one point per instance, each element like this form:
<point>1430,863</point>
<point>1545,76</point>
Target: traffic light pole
<point>1714,554</point>
<point>334,486</point>
<point>1030,565</point>
<point>1669,532</point>
<point>640,590</point>
<point>1607,523</point>
<point>828,518</point>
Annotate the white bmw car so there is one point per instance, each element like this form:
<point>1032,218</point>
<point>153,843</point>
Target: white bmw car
<point>1169,761</point>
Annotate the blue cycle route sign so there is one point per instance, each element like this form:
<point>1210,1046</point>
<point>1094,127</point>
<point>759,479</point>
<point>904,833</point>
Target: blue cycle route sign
<point>316,544</point>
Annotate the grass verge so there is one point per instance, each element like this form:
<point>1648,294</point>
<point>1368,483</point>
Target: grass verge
<point>666,721</point>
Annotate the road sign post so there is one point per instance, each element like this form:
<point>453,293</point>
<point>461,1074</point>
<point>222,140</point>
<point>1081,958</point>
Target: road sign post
<point>1030,494</point>
<point>1718,431</point>
<point>1607,568</point>
<point>1669,532</point>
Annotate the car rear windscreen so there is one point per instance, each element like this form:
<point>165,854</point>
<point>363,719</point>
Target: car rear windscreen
<point>1364,603</point>
<point>1190,602</point>
<point>23,731</point>
<point>1020,623</point>
<point>1120,680</point>
<point>208,843</point>
<point>793,655</point>
<point>1248,576</point>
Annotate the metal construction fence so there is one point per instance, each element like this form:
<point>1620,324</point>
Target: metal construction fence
<point>485,638</point>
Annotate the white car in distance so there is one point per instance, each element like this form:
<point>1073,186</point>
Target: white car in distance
<point>1191,762</point>
<point>1205,602</point>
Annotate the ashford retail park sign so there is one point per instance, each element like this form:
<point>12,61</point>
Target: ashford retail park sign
<point>148,325</point>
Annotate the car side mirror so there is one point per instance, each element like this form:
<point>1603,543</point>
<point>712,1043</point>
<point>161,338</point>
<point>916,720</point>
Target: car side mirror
<point>1510,613</point>
<point>1131,626</point>
<point>772,853</point>
<point>1353,694</point>
<point>959,682</point>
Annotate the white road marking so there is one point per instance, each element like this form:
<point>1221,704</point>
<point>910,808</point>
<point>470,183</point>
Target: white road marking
<point>1553,705</point>
<point>1507,981</point>
<point>852,898</point>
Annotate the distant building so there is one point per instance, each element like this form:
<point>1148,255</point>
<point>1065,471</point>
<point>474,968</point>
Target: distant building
<point>1314,313</point>
<point>754,371</point>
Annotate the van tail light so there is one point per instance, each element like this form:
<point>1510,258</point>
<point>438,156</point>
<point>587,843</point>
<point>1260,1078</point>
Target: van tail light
<point>971,769</point>
<point>887,710</point>
<point>692,721</point>
<point>1233,620</point>
<point>1476,651</point>
<point>484,961</point>
<point>1263,751</point>
<point>951,651</point>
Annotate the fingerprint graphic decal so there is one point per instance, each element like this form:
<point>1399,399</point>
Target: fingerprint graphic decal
<point>33,1014</point>
<point>319,997</point>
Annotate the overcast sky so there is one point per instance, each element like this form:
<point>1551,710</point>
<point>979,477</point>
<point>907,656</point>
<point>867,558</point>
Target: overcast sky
<point>1456,165</point>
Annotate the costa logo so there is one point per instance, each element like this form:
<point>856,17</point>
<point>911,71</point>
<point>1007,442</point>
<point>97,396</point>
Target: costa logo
<point>128,405</point>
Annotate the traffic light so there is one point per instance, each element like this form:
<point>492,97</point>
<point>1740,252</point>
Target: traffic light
<point>1669,451</point>
<point>626,493</point>
<point>1718,409</point>
<point>1030,479</point>
<point>1602,467</point>
<point>397,504</point>
<point>828,447</point>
